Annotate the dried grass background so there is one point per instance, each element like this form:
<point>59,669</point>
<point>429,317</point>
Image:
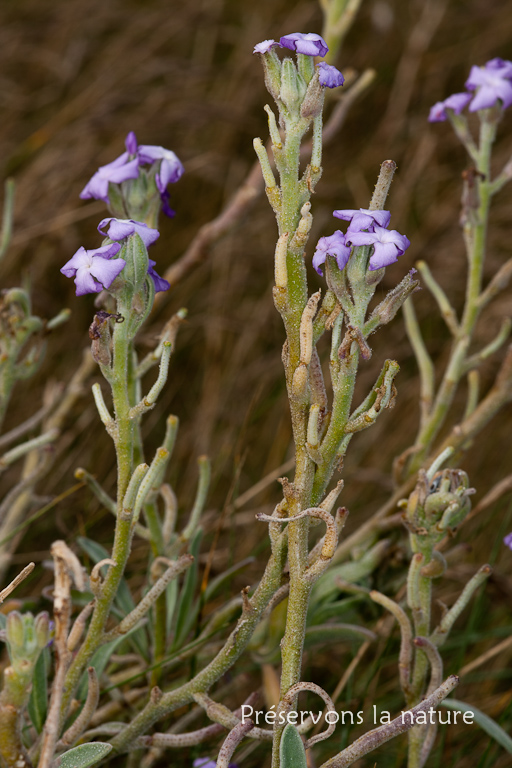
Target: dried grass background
<point>76,76</point>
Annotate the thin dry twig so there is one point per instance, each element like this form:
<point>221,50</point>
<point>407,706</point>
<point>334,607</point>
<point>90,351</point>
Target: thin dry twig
<point>17,580</point>
<point>66,566</point>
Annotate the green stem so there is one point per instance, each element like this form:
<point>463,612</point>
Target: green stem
<point>335,432</point>
<point>123,441</point>
<point>297,297</point>
<point>420,670</point>
<point>160,608</point>
<point>234,646</point>
<point>476,233</point>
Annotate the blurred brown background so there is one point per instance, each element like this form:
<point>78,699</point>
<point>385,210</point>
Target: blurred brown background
<point>75,77</point>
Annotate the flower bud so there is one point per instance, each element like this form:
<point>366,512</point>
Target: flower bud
<point>15,631</point>
<point>272,72</point>
<point>141,197</point>
<point>292,86</point>
<point>135,253</point>
<point>26,637</point>
<point>389,306</point>
<point>43,629</point>
<point>313,102</point>
<point>100,335</point>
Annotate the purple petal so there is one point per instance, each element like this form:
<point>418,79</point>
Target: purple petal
<point>96,188</point>
<point>457,102</point>
<point>309,44</point>
<point>75,262</point>
<point>334,245</point>
<point>171,168</point>
<point>106,271</point>
<point>85,283</point>
<point>119,170</point>
<point>508,540</point>
<point>343,257</point>
<point>363,218</point>
<point>501,66</point>
<point>94,269</point>
<point>492,82</point>
<point>119,229</point>
<point>83,257</point>
<point>131,143</point>
<point>383,255</point>
<point>360,238</point>
<point>346,213</point>
<point>368,220</point>
<point>486,96</point>
<point>166,208</point>
<point>330,77</point>
<point>319,258</point>
<point>106,251</point>
<point>388,245</point>
<point>437,113</point>
<point>160,283</point>
<point>265,46</point>
<point>401,241</point>
<point>128,171</point>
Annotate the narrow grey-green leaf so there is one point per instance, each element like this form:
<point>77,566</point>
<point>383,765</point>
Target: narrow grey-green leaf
<point>485,722</point>
<point>291,750</point>
<point>216,583</point>
<point>187,609</point>
<point>321,634</point>
<point>319,614</point>
<point>96,552</point>
<point>100,660</point>
<point>84,755</point>
<point>171,598</point>
<point>123,600</point>
<point>354,571</point>
<point>38,702</point>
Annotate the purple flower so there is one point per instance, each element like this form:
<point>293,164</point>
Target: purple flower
<point>388,245</point>
<point>94,270</point>
<point>265,46</point>
<point>363,218</point>
<point>131,143</point>
<point>330,77</point>
<point>166,208</point>
<point>119,229</point>
<point>160,283</point>
<point>491,82</point>
<point>500,65</point>
<point>508,540</point>
<point>116,172</point>
<point>334,245</point>
<point>309,44</point>
<point>457,102</point>
<point>205,762</point>
<point>171,169</point>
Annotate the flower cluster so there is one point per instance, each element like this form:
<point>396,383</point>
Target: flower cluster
<point>308,44</point>
<point>484,87</point>
<point>365,228</point>
<point>97,269</point>
<point>128,167</point>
